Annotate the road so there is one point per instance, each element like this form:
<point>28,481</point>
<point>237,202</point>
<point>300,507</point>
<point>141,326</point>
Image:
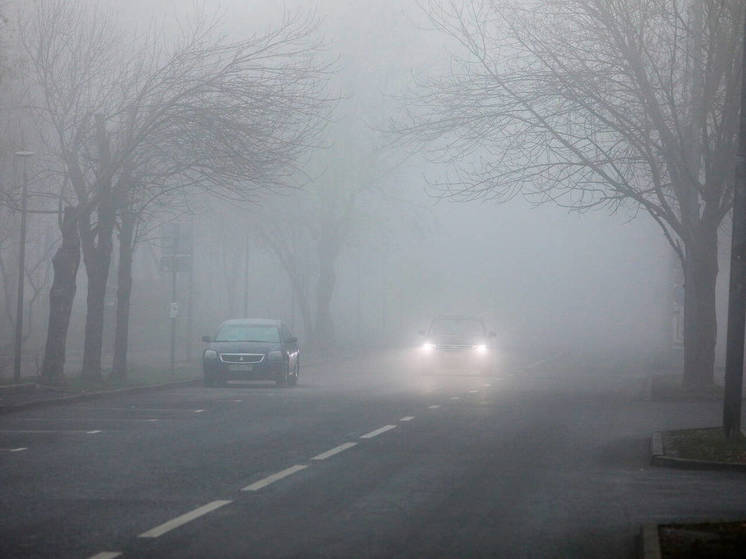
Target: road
<point>364,458</point>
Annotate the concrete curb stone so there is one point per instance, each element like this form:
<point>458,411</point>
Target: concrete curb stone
<point>650,543</point>
<point>96,395</point>
<point>658,457</point>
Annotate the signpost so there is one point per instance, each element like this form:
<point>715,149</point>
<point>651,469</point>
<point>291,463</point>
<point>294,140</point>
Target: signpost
<point>176,256</point>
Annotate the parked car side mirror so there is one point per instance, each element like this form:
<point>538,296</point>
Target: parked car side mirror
<point>207,339</point>
<point>493,335</point>
<point>292,340</point>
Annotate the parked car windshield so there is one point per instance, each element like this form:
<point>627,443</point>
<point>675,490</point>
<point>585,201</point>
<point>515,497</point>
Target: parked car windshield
<point>462,327</point>
<point>248,333</point>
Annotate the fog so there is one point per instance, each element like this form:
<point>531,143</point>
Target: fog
<point>545,277</point>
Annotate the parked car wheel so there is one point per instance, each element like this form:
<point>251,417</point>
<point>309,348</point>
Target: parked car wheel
<point>282,378</point>
<point>293,379</point>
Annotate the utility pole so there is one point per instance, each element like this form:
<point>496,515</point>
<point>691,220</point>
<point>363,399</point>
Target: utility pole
<point>21,271</point>
<point>737,291</point>
<point>173,314</point>
<point>246,278</point>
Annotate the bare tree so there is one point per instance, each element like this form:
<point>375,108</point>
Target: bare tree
<point>596,103</point>
<point>131,127</point>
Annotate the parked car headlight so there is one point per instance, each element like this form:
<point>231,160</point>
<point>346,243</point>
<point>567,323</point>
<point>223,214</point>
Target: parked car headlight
<point>428,347</point>
<point>210,354</point>
<point>274,355</point>
<point>481,348</point>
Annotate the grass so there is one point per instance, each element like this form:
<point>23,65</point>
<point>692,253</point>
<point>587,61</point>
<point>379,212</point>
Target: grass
<point>139,375</point>
<point>724,540</point>
<point>704,444</point>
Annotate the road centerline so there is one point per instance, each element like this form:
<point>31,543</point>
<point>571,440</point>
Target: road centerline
<point>434,406</point>
<point>264,482</point>
<point>378,431</point>
<point>333,451</point>
<point>183,519</point>
<point>407,418</point>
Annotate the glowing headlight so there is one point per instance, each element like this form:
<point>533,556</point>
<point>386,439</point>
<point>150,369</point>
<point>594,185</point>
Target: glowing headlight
<point>427,347</point>
<point>210,354</point>
<point>481,348</point>
<point>274,355</point>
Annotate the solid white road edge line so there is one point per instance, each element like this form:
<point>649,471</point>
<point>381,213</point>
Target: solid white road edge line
<point>434,407</point>
<point>378,431</point>
<point>183,519</point>
<point>407,418</point>
<point>106,555</point>
<point>333,451</point>
<point>257,485</point>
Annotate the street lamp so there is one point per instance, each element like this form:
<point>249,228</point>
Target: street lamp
<point>21,270</point>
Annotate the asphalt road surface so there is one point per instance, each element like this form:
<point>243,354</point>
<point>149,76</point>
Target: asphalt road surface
<point>365,458</point>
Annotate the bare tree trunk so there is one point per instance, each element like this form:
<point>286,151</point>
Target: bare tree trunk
<point>324,328</point>
<point>700,324</point>
<point>66,262</point>
<point>124,291</point>
<point>97,249</point>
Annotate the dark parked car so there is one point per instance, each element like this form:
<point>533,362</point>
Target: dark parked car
<point>251,349</point>
<point>457,343</point>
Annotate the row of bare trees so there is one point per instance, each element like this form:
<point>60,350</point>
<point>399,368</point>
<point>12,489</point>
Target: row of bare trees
<point>596,103</point>
<point>132,124</point>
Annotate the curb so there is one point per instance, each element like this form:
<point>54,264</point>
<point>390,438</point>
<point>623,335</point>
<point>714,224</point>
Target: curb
<point>658,457</point>
<point>96,395</point>
<point>651,546</point>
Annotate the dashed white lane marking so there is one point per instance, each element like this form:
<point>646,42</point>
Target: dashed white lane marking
<point>434,407</point>
<point>407,418</point>
<point>199,411</point>
<point>487,384</point>
<point>455,397</point>
<point>333,451</point>
<point>257,485</point>
<point>19,449</point>
<point>106,555</point>
<point>378,431</point>
<point>473,391</point>
<point>46,431</point>
<point>89,419</point>
<point>94,432</point>
<point>183,519</point>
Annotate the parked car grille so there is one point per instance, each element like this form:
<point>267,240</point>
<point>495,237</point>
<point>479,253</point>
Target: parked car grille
<point>241,357</point>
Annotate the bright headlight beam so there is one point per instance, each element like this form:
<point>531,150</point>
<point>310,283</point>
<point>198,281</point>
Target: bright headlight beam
<point>480,348</point>
<point>428,347</point>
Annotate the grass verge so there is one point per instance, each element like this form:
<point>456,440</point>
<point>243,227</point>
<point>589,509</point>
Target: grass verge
<point>704,444</point>
<point>139,375</point>
<point>724,540</point>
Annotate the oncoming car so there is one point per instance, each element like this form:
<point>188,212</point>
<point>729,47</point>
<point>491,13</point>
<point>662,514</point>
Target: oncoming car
<point>251,349</point>
<point>457,343</point>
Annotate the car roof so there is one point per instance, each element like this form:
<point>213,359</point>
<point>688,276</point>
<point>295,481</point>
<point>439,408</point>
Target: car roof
<point>253,322</point>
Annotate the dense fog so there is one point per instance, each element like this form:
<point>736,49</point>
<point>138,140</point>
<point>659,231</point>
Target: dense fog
<point>542,276</point>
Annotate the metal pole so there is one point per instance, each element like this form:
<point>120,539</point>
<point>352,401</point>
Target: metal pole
<point>737,292</point>
<point>21,272</point>
<point>173,314</point>
<point>246,279</point>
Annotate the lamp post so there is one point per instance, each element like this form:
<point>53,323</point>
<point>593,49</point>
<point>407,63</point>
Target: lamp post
<point>21,270</point>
